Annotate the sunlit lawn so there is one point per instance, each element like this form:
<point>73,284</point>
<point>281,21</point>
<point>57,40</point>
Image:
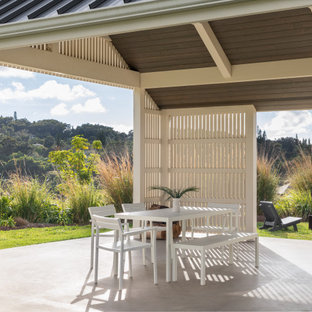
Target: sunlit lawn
<point>30,236</point>
<point>303,232</point>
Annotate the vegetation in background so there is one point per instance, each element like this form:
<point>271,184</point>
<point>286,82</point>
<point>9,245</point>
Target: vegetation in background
<point>115,177</point>
<point>77,163</point>
<point>79,196</point>
<point>31,199</point>
<point>26,145</point>
<point>267,178</point>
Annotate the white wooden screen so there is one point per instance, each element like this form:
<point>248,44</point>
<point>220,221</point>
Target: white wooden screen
<point>203,147</point>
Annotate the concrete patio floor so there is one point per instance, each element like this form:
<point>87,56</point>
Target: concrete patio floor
<point>56,277</point>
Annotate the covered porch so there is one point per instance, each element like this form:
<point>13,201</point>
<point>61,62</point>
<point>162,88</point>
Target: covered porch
<point>200,71</point>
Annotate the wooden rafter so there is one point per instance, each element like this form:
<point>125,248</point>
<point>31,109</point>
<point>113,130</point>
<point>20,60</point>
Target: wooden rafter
<point>215,49</point>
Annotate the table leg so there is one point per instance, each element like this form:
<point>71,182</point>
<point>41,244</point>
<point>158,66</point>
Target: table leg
<point>183,236</point>
<point>168,251</point>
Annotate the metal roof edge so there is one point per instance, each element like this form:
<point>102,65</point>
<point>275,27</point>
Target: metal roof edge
<point>141,16</point>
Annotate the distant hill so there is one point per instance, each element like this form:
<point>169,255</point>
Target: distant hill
<point>26,145</point>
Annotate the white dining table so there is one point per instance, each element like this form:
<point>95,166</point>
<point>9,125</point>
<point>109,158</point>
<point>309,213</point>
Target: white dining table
<point>168,216</point>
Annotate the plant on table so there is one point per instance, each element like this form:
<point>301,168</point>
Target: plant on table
<point>175,194</point>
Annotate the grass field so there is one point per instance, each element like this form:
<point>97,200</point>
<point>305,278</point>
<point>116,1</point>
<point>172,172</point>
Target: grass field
<point>30,236</point>
<point>303,232</point>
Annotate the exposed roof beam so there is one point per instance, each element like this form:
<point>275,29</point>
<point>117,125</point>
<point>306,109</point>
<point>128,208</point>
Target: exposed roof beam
<point>214,47</point>
<point>240,73</point>
<point>65,66</point>
<point>134,17</point>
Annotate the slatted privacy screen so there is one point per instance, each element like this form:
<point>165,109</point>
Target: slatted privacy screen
<point>205,148</point>
<point>152,145</point>
<point>96,49</point>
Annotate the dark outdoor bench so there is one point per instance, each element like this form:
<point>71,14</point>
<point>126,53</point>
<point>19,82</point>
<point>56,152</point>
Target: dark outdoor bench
<point>273,220</point>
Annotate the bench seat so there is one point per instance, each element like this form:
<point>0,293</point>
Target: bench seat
<point>206,243</point>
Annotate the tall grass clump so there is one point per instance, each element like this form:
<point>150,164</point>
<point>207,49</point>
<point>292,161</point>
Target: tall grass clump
<point>267,179</point>
<point>80,196</point>
<point>115,176</point>
<point>300,173</point>
<point>295,203</point>
<point>31,199</point>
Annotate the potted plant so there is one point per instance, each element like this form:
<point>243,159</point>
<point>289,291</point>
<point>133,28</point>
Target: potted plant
<point>175,194</point>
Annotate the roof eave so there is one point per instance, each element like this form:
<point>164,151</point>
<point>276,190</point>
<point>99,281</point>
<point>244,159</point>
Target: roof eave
<point>134,17</point>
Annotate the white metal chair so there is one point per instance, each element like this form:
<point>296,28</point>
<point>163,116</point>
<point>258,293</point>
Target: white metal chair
<point>121,244</point>
<point>141,207</point>
<point>227,224</point>
<point>104,211</point>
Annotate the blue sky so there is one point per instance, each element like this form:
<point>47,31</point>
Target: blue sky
<point>37,96</point>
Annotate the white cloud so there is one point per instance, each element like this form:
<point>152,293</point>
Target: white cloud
<point>6,72</point>
<point>59,110</point>
<point>119,127</point>
<point>51,89</point>
<point>289,123</point>
<point>90,106</point>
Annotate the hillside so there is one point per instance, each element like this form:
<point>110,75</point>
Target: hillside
<point>26,145</point>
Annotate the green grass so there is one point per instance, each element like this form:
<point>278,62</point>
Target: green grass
<point>303,232</point>
<point>31,236</point>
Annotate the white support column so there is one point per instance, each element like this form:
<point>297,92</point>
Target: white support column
<point>251,171</point>
<point>164,149</point>
<point>138,145</point>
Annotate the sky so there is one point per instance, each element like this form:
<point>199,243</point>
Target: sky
<point>36,96</point>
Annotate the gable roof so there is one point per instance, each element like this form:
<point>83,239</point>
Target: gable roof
<point>23,10</point>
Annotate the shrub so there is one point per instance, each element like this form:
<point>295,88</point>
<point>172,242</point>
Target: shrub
<point>115,176</point>
<point>31,199</point>
<point>9,222</point>
<point>5,208</point>
<point>295,203</point>
<point>267,179</point>
<point>79,197</point>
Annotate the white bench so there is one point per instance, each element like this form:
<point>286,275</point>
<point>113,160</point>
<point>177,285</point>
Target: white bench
<point>206,243</point>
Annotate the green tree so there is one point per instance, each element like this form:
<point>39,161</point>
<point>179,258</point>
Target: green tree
<point>76,162</point>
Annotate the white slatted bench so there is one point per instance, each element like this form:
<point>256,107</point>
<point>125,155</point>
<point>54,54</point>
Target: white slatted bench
<point>206,243</point>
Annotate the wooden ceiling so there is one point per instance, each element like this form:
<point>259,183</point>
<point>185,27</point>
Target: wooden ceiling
<point>264,95</point>
<point>163,49</point>
<point>249,39</point>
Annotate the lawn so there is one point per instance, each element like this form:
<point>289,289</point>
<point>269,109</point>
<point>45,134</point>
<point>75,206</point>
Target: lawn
<point>303,232</point>
<point>30,236</point>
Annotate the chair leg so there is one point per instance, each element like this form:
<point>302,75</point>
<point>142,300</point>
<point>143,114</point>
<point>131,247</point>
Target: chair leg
<point>203,269</point>
<point>152,250</point>
<point>154,258</point>
<point>121,269</point>
<point>115,261</point>
<point>130,265</point>
<point>92,246</point>
<point>174,266</point>
<point>257,252</point>
<point>144,250</point>
<point>96,256</point>
<point>192,227</point>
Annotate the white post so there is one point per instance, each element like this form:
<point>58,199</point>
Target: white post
<point>251,170</point>
<point>164,149</point>
<point>138,145</point>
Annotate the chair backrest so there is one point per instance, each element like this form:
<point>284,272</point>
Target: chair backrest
<point>107,223</point>
<point>270,212</point>
<point>133,207</point>
<point>104,211</point>
<point>234,207</point>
